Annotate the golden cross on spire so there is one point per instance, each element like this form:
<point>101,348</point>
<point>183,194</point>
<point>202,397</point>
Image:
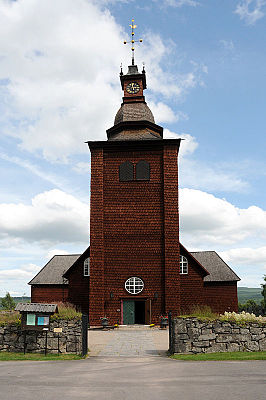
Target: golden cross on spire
<point>132,39</point>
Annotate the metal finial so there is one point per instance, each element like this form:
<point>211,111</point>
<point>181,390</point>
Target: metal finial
<point>133,40</point>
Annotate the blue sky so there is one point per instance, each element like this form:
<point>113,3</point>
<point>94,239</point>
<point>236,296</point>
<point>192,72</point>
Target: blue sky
<point>59,86</point>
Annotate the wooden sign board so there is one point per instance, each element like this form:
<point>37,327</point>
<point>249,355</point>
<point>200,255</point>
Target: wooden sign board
<point>35,321</point>
<point>58,330</point>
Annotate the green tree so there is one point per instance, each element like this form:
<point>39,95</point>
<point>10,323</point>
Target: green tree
<point>251,307</point>
<point>8,302</point>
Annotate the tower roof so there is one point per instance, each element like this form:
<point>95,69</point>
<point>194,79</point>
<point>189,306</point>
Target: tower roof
<point>134,112</point>
<point>134,120</point>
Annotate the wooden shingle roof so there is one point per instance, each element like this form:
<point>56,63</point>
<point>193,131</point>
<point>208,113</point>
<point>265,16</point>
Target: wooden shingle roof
<point>52,272</point>
<point>36,307</point>
<point>218,270</point>
<point>134,112</point>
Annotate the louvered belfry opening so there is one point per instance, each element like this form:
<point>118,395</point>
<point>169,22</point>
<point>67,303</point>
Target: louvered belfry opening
<point>126,172</point>
<point>143,171</point>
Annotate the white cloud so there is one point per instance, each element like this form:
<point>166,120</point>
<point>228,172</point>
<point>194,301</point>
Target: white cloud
<point>187,146</point>
<point>58,68</point>
<point>34,169</point>
<point>227,44</point>
<point>82,167</point>
<point>162,112</point>
<point>250,10</point>
<point>12,293</point>
<point>246,256</point>
<point>250,280</point>
<point>206,219</point>
<point>14,280</point>
<point>200,175</point>
<point>180,3</point>
<point>56,252</point>
<point>22,273</point>
<point>53,217</point>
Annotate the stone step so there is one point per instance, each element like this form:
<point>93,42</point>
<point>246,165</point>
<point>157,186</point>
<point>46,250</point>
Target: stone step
<point>137,327</point>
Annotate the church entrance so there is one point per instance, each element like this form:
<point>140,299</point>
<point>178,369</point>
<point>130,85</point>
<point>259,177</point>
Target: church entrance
<point>136,312</point>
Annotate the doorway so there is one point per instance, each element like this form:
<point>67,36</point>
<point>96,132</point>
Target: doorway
<point>134,312</point>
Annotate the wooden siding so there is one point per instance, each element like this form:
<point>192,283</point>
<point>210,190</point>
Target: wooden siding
<point>191,286</point>
<point>49,293</point>
<point>221,296</point>
<point>79,287</point>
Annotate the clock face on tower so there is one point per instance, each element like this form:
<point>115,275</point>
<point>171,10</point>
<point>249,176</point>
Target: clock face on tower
<point>133,88</point>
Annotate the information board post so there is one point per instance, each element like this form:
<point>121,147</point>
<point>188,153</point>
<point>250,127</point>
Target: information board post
<point>84,334</point>
<point>24,337</point>
<point>45,348</point>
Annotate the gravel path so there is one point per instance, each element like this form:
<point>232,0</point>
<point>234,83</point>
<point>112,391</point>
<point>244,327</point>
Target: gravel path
<point>128,342</point>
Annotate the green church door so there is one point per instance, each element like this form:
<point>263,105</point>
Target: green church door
<point>128,312</point>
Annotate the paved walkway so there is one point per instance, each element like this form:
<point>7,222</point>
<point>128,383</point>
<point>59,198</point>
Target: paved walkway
<point>137,341</point>
<point>128,378</point>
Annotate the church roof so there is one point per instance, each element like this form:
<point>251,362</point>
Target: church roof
<point>52,272</point>
<point>136,135</point>
<point>215,265</point>
<point>134,112</point>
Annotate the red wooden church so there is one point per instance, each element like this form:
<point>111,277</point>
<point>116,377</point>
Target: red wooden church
<point>135,268</point>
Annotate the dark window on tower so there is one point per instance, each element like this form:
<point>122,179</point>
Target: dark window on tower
<point>126,171</point>
<point>143,171</point>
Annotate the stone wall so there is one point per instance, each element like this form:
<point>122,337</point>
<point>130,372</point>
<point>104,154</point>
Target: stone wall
<point>70,339</point>
<point>193,336</point>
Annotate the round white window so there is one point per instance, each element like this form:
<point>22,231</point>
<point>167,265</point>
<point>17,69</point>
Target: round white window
<point>134,285</point>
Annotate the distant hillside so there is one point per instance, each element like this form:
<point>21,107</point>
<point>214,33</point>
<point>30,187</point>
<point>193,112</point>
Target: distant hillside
<point>245,294</point>
<point>19,300</point>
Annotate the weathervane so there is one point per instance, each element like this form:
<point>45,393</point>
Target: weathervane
<point>132,40</point>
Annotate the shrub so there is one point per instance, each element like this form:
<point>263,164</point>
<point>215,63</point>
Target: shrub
<point>242,317</point>
<point>202,313</point>
<point>66,311</point>
<point>8,318</point>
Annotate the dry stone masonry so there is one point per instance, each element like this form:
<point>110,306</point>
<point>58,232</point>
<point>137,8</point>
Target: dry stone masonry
<point>189,335</point>
<point>67,341</point>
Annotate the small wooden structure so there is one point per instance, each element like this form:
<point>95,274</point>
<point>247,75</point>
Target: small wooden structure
<point>36,316</point>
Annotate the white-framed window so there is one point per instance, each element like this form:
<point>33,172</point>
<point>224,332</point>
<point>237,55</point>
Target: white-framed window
<point>134,285</point>
<point>183,265</point>
<point>87,267</point>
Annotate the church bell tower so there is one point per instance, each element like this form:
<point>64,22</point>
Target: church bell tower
<point>134,222</point>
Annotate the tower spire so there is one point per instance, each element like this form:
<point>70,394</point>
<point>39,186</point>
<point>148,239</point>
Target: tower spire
<point>133,41</point>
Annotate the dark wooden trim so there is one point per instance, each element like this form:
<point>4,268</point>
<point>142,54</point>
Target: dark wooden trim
<point>83,256</point>
<point>125,145</point>
<point>134,125</point>
<point>135,99</point>
<point>183,249</point>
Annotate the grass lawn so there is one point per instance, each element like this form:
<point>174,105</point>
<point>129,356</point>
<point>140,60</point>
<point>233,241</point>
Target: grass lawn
<point>238,355</point>
<point>6,356</point>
